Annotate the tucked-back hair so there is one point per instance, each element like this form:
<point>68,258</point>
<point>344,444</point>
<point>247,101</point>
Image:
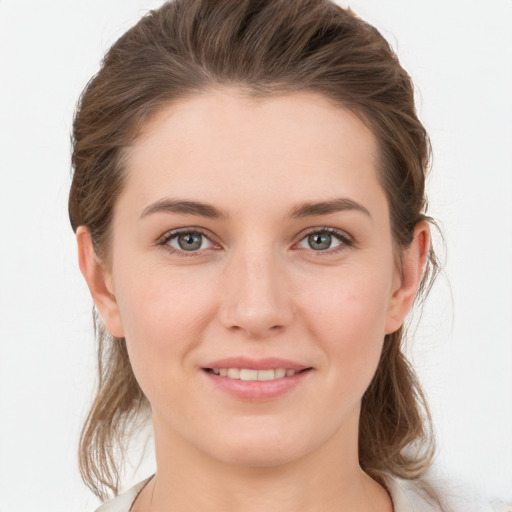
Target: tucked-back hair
<point>261,47</point>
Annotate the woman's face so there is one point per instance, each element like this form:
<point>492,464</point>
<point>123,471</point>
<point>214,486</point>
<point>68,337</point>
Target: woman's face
<point>253,235</point>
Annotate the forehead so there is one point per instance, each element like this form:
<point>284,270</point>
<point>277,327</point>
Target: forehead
<point>222,144</point>
<point>213,112</point>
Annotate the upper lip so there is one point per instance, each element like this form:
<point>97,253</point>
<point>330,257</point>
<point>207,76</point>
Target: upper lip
<point>266,363</point>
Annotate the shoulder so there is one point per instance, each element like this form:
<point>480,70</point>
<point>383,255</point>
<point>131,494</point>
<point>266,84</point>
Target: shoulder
<point>409,496</point>
<point>427,495</point>
<point>124,501</point>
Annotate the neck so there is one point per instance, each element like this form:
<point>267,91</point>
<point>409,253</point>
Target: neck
<point>329,479</point>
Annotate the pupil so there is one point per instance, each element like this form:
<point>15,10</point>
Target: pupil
<point>319,241</point>
<point>189,241</point>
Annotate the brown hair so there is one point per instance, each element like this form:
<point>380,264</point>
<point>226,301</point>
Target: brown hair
<point>262,47</point>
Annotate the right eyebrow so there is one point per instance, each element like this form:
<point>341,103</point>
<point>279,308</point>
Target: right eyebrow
<point>168,205</point>
<point>340,204</point>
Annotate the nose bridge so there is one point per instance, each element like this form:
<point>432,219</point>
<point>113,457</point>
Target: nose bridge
<point>256,298</point>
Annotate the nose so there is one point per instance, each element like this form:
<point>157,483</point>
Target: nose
<point>256,298</point>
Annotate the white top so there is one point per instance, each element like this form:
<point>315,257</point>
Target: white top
<point>406,497</point>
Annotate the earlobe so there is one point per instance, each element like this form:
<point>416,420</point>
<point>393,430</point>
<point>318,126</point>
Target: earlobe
<point>99,281</point>
<point>414,259</point>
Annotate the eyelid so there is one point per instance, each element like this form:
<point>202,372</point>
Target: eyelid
<point>345,239</point>
<point>174,233</point>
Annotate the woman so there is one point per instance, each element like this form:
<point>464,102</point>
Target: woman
<point>248,200</point>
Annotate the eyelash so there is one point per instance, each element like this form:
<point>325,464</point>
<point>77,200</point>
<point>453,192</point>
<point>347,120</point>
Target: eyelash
<point>170,235</point>
<point>342,237</point>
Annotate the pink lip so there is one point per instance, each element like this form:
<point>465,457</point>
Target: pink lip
<point>256,391</point>
<point>266,363</point>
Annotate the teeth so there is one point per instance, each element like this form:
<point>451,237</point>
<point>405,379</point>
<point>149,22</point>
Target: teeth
<point>233,373</point>
<point>266,374</point>
<point>250,374</point>
<point>279,373</point>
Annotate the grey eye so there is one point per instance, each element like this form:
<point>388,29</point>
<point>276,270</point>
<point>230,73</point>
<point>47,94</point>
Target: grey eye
<point>322,240</point>
<point>189,241</point>
<point>319,241</point>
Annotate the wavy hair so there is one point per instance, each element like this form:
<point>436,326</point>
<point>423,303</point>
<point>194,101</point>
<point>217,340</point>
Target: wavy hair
<point>262,47</point>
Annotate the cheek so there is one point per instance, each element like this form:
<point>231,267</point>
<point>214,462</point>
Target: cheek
<point>351,302</point>
<point>160,300</point>
<point>349,320</point>
<point>163,314</point>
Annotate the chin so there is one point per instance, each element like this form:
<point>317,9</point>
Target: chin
<point>264,448</point>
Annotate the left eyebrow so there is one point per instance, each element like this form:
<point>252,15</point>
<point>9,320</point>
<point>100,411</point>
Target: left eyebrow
<point>168,205</point>
<point>341,204</point>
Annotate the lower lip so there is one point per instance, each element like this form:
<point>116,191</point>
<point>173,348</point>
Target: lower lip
<point>257,390</point>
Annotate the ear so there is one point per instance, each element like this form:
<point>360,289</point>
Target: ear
<point>99,281</point>
<point>408,277</point>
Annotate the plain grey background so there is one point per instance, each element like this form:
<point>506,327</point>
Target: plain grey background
<point>460,57</point>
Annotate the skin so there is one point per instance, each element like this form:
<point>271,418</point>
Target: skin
<point>254,288</point>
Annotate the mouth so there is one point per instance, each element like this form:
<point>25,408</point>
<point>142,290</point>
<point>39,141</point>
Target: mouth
<point>251,374</point>
<point>256,380</point>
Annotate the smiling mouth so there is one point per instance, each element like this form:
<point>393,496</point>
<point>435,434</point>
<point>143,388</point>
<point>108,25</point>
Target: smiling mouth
<point>249,374</point>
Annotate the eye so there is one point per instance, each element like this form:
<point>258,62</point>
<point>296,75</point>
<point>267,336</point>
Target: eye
<point>323,240</point>
<point>188,241</point>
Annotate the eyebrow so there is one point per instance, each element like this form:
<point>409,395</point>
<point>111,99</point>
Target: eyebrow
<point>341,204</point>
<point>184,207</point>
<point>307,209</point>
